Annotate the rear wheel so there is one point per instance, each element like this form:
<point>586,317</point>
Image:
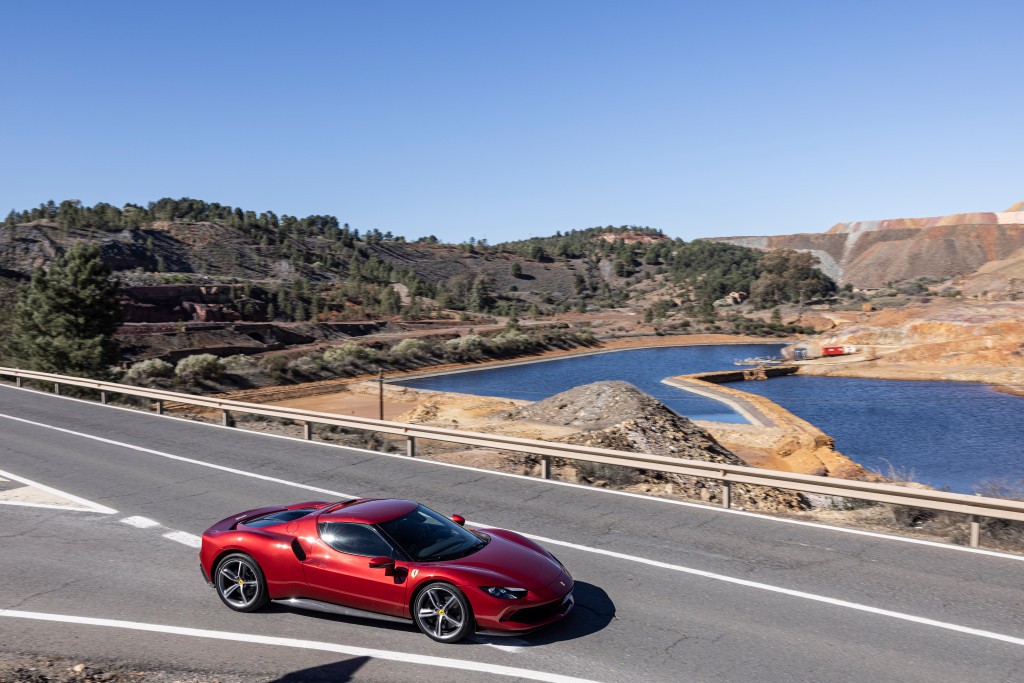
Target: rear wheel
<point>240,583</point>
<point>443,613</point>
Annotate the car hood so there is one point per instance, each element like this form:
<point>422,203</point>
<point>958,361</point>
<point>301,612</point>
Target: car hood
<point>510,564</point>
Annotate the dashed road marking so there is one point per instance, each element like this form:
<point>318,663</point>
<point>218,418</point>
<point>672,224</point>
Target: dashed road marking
<point>512,645</point>
<point>182,537</point>
<point>352,651</point>
<point>185,538</point>
<point>140,522</point>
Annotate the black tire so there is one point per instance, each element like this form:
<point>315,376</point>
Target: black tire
<point>240,583</point>
<point>442,612</point>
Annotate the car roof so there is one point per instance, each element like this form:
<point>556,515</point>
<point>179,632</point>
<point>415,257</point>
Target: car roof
<point>370,511</point>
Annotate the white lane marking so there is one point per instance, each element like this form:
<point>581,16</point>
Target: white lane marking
<point>533,480</point>
<point>171,456</point>
<point>183,537</point>
<point>352,651</point>
<point>87,505</point>
<point>191,540</point>
<point>598,551</point>
<point>509,644</point>
<point>785,591</point>
<point>140,522</point>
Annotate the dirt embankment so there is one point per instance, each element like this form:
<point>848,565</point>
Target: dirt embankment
<point>966,341</point>
<point>612,415</point>
<point>778,440</point>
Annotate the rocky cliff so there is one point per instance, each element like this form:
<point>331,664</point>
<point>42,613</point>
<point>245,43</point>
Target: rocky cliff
<point>872,253</point>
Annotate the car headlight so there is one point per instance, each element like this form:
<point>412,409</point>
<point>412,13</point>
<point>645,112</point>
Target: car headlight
<point>504,592</point>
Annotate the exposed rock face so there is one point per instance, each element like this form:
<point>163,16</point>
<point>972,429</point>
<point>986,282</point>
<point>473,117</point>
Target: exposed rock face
<point>969,341</point>
<point>871,253</point>
<point>617,415</point>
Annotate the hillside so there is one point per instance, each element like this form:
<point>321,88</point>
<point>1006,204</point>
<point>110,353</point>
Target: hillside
<point>187,259</point>
<point>873,253</point>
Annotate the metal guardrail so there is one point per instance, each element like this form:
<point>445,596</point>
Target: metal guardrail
<point>975,507</point>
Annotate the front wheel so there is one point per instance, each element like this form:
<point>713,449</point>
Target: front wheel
<point>240,583</point>
<point>442,612</point>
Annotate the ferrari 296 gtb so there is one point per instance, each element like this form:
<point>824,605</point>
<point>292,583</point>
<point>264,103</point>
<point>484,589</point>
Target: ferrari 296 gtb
<point>386,558</point>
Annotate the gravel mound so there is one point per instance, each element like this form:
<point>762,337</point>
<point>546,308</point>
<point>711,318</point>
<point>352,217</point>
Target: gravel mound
<point>619,416</point>
<point>594,406</point>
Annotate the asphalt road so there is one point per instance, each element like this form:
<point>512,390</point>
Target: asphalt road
<point>665,592</point>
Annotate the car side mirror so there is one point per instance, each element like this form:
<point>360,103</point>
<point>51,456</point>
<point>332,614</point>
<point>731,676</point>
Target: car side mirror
<point>459,519</point>
<point>385,562</point>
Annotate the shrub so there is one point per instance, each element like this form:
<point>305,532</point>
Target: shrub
<point>275,366</point>
<point>510,342</point>
<point>409,348</point>
<point>237,362</point>
<point>145,369</point>
<point>469,346</point>
<point>347,352</point>
<point>201,366</point>
<point>306,365</point>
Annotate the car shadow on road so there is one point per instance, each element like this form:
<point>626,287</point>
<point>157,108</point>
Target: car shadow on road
<point>594,610</point>
<point>340,618</point>
<point>338,672</point>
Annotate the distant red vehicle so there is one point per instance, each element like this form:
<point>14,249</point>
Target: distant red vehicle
<point>833,350</point>
<point>391,559</point>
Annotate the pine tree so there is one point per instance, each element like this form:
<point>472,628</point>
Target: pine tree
<point>65,318</point>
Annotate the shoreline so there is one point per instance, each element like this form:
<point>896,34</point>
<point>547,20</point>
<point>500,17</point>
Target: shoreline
<point>558,354</point>
<point>774,438</point>
<point>286,392</point>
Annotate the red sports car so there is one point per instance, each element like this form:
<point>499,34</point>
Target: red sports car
<point>391,559</point>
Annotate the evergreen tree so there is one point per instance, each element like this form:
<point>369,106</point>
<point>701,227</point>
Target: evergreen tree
<point>480,298</point>
<point>65,318</point>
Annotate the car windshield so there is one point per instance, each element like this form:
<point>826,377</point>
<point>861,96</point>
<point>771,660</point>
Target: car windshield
<point>426,536</point>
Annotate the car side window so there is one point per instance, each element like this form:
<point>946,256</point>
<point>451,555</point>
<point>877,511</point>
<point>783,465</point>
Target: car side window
<point>355,539</point>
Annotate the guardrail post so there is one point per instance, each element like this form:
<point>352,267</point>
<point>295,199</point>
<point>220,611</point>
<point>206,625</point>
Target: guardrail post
<point>410,446</point>
<point>545,466</point>
<point>103,397</point>
<point>975,531</point>
<point>159,407</point>
<point>56,388</point>
<point>226,418</point>
<point>726,494</point>
<point>17,382</point>
<point>307,431</point>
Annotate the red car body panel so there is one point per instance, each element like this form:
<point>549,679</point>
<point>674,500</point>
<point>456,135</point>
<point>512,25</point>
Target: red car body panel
<point>297,563</point>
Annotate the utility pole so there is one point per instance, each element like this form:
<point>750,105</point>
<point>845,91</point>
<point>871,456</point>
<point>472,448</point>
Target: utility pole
<point>380,393</point>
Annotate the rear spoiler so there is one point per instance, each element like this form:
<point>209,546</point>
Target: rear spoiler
<point>250,514</point>
<point>322,506</point>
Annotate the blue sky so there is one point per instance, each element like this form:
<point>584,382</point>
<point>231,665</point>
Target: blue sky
<point>504,120</point>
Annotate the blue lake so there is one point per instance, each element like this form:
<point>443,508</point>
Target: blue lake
<point>947,434</point>
<point>643,368</point>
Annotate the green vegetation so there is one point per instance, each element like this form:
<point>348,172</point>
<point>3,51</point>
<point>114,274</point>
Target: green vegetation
<point>147,369</point>
<point>318,269</point>
<point>199,366</point>
<point>64,320</point>
<point>351,359</point>
<point>707,270</point>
